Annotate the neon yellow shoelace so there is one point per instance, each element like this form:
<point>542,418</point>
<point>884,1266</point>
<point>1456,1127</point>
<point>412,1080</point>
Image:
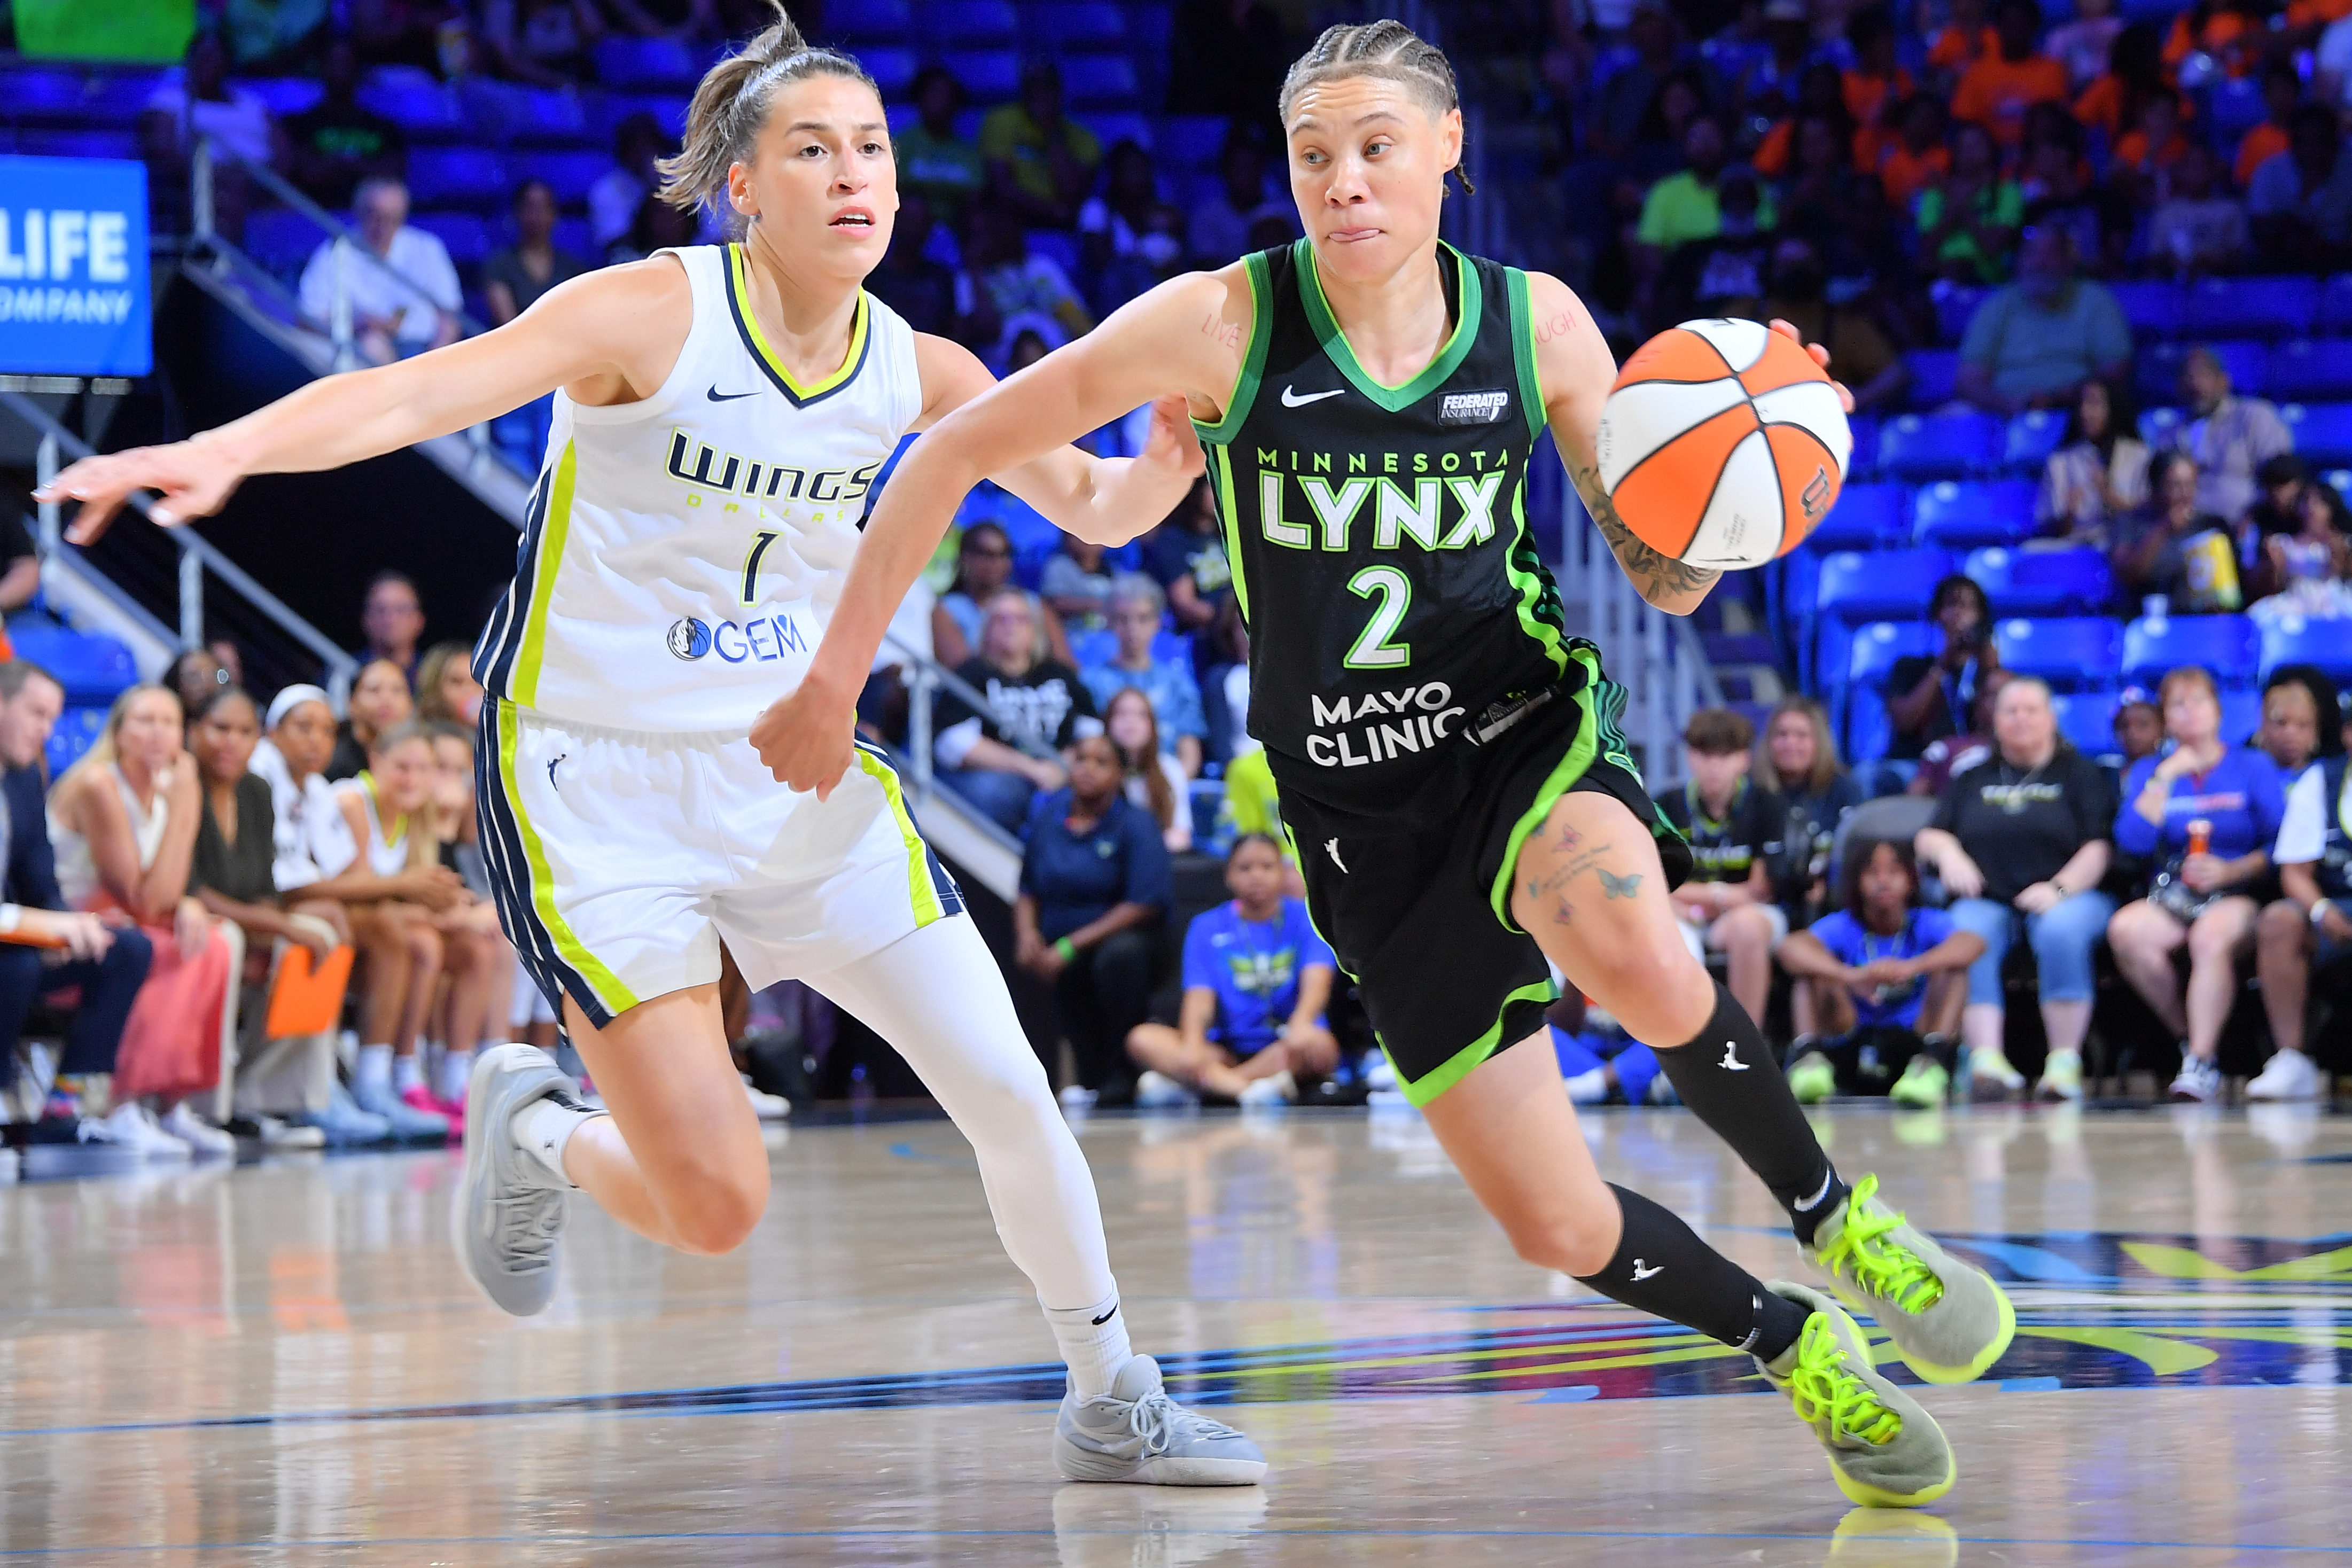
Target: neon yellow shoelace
<point>1820,1385</point>
<point>1886,1272</point>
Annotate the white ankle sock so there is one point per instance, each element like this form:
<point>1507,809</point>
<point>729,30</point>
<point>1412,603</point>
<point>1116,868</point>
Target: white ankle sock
<point>543,1129</point>
<point>1094,1341</point>
<point>407,1074</point>
<point>456,1074</point>
<point>375,1068</point>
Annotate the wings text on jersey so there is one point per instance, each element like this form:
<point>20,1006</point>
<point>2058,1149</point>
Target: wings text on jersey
<point>699,463</point>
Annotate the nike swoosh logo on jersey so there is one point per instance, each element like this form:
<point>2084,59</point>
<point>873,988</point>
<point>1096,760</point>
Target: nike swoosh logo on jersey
<point>715,395</point>
<point>1292,399</point>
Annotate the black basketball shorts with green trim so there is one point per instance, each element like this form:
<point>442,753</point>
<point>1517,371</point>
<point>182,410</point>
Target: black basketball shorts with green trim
<point>1415,903</point>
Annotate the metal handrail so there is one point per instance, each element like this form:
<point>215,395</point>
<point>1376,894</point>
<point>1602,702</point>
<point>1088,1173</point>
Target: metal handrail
<point>197,555</point>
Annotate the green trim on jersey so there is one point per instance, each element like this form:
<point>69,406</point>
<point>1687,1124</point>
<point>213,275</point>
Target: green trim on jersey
<point>1224,456</point>
<point>1523,351</point>
<point>1541,616</point>
<point>1421,1091</point>
<point>524,688</point>
<point>1245,390</point>
<point>1470,305</point>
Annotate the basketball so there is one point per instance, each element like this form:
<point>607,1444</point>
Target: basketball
<point>1723,444</point>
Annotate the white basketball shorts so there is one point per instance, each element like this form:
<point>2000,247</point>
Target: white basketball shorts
<point>620,859</point>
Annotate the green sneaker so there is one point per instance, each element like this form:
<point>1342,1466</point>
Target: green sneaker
<point>1992,1078</point>
<point>1886,1451</point>
<point>2062,1079</point>
<point>1948,1318</point>
<point>1923,1085</point>
<point>1811,1079</point>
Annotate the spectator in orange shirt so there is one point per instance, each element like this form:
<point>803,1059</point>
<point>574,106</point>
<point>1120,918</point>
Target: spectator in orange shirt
<point>1963,40</point>
<point>1916,158</point>
<point>2112,104</point>
<point>2232,35</point>
<point>1996,91</point>
<point>1820,94</point>
<point>1874,89</point>
<point>2148,153</point>
<point>2281,90</point>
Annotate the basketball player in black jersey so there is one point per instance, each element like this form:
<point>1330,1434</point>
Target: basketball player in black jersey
<point>1449,763</point>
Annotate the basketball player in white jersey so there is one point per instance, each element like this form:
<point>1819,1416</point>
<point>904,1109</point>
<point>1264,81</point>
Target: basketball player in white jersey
<point>721,413</point>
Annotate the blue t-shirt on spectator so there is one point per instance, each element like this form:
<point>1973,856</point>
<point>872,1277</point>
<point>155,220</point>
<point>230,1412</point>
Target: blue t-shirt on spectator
<point>1853,944</point>
<point>1254,967</point>
<point>2241,797</point>
<point>1078,878</point>
<point>1175,696</point>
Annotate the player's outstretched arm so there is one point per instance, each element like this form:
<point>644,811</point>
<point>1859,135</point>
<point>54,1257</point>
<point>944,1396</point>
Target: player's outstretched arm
<point>625,323</point>
<point>1103,500</point>
<point>1181,339</point>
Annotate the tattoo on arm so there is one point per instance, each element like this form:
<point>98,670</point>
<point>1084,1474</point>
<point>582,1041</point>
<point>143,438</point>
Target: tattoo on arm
<point>1219,329</point>
<point>1654,575</point>
<point>1626,887</point>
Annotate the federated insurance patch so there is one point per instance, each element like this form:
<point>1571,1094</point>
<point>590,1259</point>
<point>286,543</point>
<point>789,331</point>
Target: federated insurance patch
<point>1474,407</point>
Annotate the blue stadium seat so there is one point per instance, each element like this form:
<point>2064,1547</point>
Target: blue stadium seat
<point>1934,374</point>
<point>1954,306</point>
<point>2150,307</point>
<point>2157,367</point>
<point>1865,517</point>
<point>2335,304</point>
<point>2323,431</point>
<point>2068,652</point>
<point>2087,718</point>
<point>572,234</point>
<point>2225,644</point>
<point>1098,81</point>
<point>1193,141</point>
<point>570,173</point>
<point>424,110</point>
<point>863,22</point>
<point>544,116</point>
<point>2032,436</point>
<point>2292,640</point>
<point>283,95</point>
<point>2041,582</point>
<point>892,70</point>
<point>93,670</point>
<point>468,177</point>
<point>970,24</point>
<point>1058,246</point>
<point>1960,514</point>
<point>2249,307</point>
<point>1114,129</point>
<point>50,93</point>
<point>1938,445</point>
<point>1886,585</point>
<point>121,144</point>
<point>990,76</point>
<point>2311,368</point>
<point>1062,28</point>
<point>281,240</point>
<point>1864,463</point>
<point>77,730</point>
<point>1858,703</point>
<point>631,64</point>
<point>466,236</point>
<point>2241,717</point>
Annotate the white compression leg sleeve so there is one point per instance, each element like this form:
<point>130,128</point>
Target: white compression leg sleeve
<point>939,999</point>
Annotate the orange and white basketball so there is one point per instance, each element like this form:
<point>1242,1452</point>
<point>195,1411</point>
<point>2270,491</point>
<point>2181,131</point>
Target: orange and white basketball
<point>1723,444</point>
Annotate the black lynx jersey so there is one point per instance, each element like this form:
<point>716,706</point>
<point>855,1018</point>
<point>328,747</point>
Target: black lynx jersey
<point>1395,601</point>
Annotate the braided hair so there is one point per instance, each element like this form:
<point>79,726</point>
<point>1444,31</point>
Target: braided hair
<point>1386,51</point>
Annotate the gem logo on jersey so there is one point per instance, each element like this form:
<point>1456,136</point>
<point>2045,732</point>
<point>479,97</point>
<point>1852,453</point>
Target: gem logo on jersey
<point>763,639</point>
<point>690,638</point>
<point>1474,407</point>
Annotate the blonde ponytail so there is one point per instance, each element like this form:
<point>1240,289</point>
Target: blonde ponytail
<point>731,106</point>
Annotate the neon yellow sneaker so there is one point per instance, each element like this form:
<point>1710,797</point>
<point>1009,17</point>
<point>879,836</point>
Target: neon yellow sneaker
<point>1811,1079</point>
<point>1885,1449</point>
<point>2062,1079</point>
<point>1948,1318</point>
<point>1923,1085</point>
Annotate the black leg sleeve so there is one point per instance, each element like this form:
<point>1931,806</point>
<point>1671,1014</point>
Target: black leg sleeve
<point>1727,1076</point>
<point>1662,1268</point>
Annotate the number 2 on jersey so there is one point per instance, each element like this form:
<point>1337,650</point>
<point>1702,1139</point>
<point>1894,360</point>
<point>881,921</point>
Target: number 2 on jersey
<point>759,543</point>
<point>1372,648</point>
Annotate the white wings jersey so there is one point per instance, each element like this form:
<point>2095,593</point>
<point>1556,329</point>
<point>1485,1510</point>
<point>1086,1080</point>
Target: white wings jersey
<point>683,553</point>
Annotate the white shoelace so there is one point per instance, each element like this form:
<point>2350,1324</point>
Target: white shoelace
<point>1157,1421</point>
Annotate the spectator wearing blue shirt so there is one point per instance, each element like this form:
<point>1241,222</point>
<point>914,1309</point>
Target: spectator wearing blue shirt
<point>2206,816</point>
<point>1887,985</point>
<point>1136,606</point>
<point>1257,978</point>
<point>1094,883</point>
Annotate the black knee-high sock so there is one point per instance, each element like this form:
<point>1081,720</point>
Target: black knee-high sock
<point>1727,1077</point>
<point>1662,1267</point>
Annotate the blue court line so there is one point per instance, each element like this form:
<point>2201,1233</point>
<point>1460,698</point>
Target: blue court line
<point>1324,1532</point>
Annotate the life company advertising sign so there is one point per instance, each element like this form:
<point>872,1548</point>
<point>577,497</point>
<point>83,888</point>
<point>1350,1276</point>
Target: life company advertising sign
<point>73,267</point>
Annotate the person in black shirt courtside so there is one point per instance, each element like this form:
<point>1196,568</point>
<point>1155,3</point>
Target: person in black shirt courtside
<point>1735,826</point>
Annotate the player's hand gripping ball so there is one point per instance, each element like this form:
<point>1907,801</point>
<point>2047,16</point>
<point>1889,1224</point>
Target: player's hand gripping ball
<point>1723,444</point>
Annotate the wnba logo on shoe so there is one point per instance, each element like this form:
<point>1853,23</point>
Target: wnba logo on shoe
<point>690,638</point>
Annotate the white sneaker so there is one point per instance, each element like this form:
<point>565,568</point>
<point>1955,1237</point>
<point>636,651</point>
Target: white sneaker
<point>2288,1075</point>
<point>1136,1434</point>
<point>1077,1097</point>
<point>1281,1088</point>
<point>1590,1088</point>
<point>1381,1074</point>
<point>766,1106</point>
<point>2199,1083</point>
<point>1157,1092</point>
<point>131,1125</point>
<point>284,1138</point>
<point>201,1136</point>
<point>10,1165</point>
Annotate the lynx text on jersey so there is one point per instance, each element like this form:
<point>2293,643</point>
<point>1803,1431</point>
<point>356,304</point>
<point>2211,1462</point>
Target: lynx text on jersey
<point>1380,726</point>
<point>1440,500</point>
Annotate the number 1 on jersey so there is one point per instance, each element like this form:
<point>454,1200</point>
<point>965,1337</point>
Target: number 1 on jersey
<point>759,543</point>
<point>1372,650</point>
